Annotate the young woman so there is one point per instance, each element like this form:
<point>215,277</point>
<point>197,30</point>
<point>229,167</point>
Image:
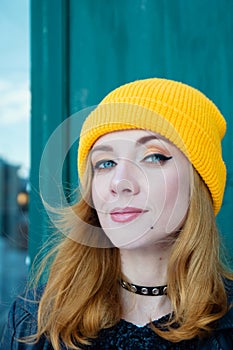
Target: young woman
<point>140,268</point>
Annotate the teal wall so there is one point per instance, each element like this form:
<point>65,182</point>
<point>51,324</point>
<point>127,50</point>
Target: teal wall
<point>81,49</point>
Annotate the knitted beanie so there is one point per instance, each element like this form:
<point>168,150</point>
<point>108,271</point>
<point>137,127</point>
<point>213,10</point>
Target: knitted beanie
<point>180,113</point>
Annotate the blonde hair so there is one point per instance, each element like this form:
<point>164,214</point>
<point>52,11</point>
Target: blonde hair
<point>82,293</point>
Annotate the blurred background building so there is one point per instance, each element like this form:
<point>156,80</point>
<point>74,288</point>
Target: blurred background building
<point>14,150</point>
<point>79,51</point>
<point>14,200</point>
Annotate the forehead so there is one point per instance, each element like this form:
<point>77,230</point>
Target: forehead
<point>129,135</point>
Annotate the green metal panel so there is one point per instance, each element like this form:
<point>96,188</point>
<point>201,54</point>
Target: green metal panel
<point>81,49</point>
<point>49,87</point>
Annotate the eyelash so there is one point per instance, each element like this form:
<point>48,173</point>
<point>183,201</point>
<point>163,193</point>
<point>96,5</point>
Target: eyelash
<point>160,158</point>
<point>100,163</point>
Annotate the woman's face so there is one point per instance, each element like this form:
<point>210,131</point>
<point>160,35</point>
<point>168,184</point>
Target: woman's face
<point>140,187</point>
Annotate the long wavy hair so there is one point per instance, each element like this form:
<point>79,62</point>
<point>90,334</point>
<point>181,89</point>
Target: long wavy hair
<point>82,294</point>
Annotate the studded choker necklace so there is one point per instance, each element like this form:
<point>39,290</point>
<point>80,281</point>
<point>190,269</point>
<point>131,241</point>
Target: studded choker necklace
<point>134,288</point>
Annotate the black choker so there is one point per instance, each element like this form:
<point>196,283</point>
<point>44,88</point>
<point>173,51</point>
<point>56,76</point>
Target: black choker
<point>158,290</point>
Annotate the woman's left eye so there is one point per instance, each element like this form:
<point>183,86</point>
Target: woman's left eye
<point>156,158</point>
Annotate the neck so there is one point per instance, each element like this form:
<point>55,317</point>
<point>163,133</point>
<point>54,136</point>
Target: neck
<point>145,266</point>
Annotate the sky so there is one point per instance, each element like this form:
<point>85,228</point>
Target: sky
<point>15,83</point>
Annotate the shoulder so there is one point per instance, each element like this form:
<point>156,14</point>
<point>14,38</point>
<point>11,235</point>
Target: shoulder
<point>26,306</point>
<point>22,320</point>
<point>223,335</point>
<point>226,322</point>
<point>229,290</point>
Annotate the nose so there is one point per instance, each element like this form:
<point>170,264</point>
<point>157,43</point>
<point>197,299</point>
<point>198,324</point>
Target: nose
<point>125,180</point>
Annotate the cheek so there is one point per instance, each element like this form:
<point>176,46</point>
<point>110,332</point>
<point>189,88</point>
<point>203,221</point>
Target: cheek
<point>97,194</point>
<point>177,199</point>
<point>162,186</point>
<point>100,192</point>
<point>173,187</point>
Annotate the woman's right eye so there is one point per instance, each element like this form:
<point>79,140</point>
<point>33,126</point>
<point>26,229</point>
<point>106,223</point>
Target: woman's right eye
<point>104,164</point>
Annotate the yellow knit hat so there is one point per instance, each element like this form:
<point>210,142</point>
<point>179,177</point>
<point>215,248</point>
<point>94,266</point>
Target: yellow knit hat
<point>175,110</point>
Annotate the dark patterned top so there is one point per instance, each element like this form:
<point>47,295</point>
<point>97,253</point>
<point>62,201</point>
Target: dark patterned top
<point>22,321</point>
<point>125,335</point>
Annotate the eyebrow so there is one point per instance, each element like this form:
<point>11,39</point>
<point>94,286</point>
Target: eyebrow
<point>139,142</point>
<point>146,139</point>
<point>102,148</point>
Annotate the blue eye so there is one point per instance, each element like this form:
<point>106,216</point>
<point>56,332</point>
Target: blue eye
<point>156,158</point>
<point>105,164</point>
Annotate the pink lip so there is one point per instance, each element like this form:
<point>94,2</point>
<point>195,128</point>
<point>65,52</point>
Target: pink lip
<point>126,214</point>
